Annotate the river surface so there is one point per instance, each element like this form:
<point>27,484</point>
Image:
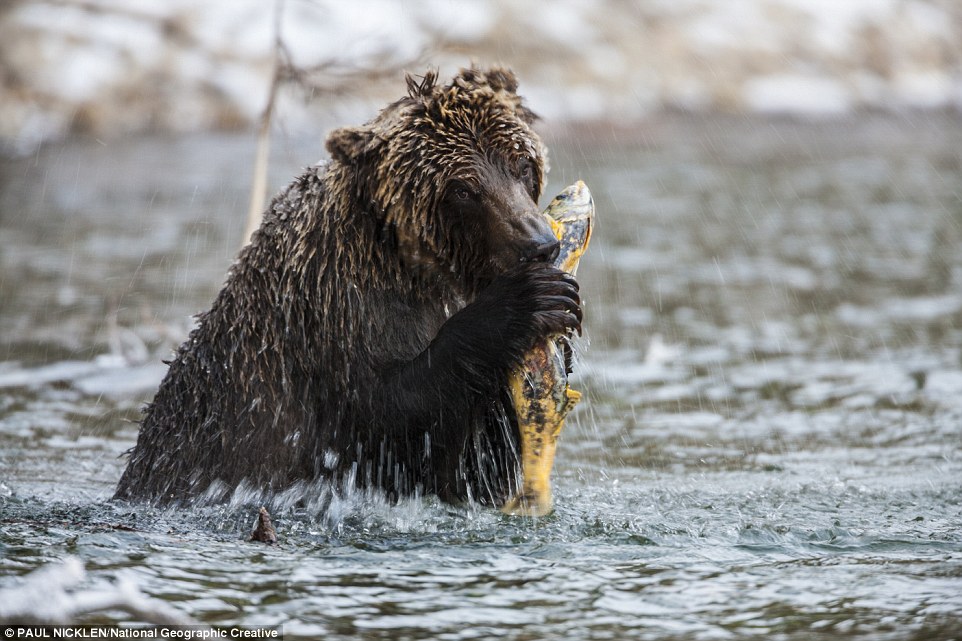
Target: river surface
<point>770,444</point>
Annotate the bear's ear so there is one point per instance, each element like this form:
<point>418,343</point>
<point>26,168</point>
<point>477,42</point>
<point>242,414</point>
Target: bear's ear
<point>348,144</point>
<point>526,114</point>
<point>502,79</point>
<point>424,88</point>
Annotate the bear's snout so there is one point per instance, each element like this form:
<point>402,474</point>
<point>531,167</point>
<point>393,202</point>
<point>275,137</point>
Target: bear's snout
<point>541,252</point>
<point>538,243</point>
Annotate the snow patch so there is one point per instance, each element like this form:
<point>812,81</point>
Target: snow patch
<point>789,93</point>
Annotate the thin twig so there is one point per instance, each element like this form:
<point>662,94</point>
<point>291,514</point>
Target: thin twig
<point>308,79</point>
<point>255,210</point>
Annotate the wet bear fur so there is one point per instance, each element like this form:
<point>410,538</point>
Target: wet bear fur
<point>365,335</point>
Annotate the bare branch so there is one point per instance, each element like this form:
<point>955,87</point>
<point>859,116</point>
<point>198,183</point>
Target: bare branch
<point>259,181</point>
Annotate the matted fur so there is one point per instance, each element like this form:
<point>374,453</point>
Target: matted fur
<point>366,332</point>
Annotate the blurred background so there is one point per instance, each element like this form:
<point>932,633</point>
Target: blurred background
<point>770,444</point>
<point>112,67</point>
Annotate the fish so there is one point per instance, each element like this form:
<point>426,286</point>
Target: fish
<point>539,387</point>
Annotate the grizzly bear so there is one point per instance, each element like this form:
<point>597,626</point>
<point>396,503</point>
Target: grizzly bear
<point>365,336</point>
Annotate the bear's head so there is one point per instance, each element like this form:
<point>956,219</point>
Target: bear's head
<point>454,173</point>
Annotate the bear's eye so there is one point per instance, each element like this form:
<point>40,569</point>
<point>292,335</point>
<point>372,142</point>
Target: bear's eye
<point>461,193</point>
<point>527,175</point>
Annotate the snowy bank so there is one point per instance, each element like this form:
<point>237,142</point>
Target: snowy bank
<point>115,66</point>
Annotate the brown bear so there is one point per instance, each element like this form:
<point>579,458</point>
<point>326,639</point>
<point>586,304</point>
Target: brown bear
<point>365,335</point>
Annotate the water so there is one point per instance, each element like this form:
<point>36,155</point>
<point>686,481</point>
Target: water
<point>769,447</point>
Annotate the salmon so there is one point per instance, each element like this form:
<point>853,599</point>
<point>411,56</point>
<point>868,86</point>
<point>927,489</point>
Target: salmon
<point>539,387</point>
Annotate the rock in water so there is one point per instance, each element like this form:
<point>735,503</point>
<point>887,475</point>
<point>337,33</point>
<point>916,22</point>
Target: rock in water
<point>264,532</point>
<point>539,388</point>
